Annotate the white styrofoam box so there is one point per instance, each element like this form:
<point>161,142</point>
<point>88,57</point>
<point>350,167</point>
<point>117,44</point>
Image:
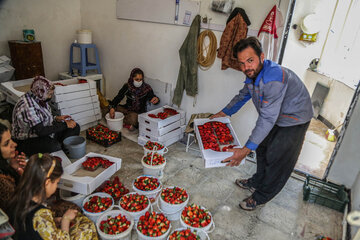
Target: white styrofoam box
<point>74,95</point>
<point>86,185</point>
<point>6,72</point>
<point>75,102</point>
<point>88,125</point>
<point>4,60</point>
<point>162,138</point>
<point>9,88</point>
<point>73,85</point>
<point>214,158</point>
<point>98,78</point>
<point>142,140</point>
<point>89,119</point>
<point>65,161</point>
<point>156,123</point>
<point>77,109</point>
<point>88,113</point>
<point>182,121</point>
<point>157,132</point>
<point>162,90</point>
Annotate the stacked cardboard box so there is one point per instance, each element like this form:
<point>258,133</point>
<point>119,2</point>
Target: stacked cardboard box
<point>166,131</point>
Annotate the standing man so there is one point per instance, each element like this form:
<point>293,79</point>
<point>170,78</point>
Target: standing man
<point>285,110</point>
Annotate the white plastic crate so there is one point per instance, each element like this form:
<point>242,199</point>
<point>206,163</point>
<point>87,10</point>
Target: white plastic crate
<point>88,113</point>
<point>182,121</point>
<point>142,140</point>
<point>74,95</point>
<point>214,158</point>
<point>75,102</point>
<point>156,123</point>
<point>157,132</point>
<point>77,109</point>
<point>73,85</point>
<point>163,138</point>
<point>86,185</point>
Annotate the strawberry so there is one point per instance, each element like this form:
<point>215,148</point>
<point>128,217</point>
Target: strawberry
<point>150,145</point>
<point>175,195</point>
<point>145,183</point>
<point>185,234</point>
<point>115,225</point>
<point>134,202</point>
<point>115,188</point>
<point>157,159</point>
<point>149,224</point>
<point>102,135</point>
<point>97,204</point>
<point>195,216</point>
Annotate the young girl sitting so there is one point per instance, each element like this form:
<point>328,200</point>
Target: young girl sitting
<point>31,217</point>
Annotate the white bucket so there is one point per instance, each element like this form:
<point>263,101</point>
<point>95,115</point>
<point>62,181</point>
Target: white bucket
<point>84,36</point>
<point>162,237</point>
<point>203,235</point>
<point>171,211</point>
<point>116,123</point>
<point>162,151</point>
<point>156,171</point>
<point>94,216</point>
<point>77,199</point>
<point>135,215</point>
<point>126,235</point>
<point>208,229</point>
<point>150,194</point>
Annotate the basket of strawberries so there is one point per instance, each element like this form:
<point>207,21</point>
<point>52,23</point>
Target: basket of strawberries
<point>96,204</point>
<point>172,201</point>
<point>115,224</point>
<point>153,146</point>
<point>148,186</point>
<point>134,204</point>
<point>153,226</point>
<point>188,234</point>
<point>197,217</point>
<point>153,164</point>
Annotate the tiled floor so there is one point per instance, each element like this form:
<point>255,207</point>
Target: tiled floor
<point>285,217</point>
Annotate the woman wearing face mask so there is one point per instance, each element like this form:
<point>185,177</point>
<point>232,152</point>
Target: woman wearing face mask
<point>34,127</point>
<point>137,94</point>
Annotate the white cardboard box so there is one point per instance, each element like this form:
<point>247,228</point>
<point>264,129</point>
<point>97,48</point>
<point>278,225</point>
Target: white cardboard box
<point>157,132</point>
<point>86,185</point>
<point>214,158</point>
<point>77,109</point>
<point>75,102</point>
<point>163,138</point>
<point>156,123</point>
<point>88,113</point>
<point>73,85</point>
<point>65,161</point>
<point>142,140</point>
<point>74,95</point>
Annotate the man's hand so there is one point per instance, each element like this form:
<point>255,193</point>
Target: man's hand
<point>219,114</point>
<point>154,100</point>
<point>70,123</point>
<point>62,118</point>
<point>112,112</point>
<point>237,157</point>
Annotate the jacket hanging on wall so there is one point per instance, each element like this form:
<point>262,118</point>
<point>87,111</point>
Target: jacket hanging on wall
<point>235,30</point>
<point>187,78</point>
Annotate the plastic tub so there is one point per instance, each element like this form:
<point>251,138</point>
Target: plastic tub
<point>94,216</point>
<point>155,171</point>
<point>135,215</point>
<point>126,235</point>
<point>203,235</point>
<point>77,199</point>
<point>171,211</point>
<point>84,36</point>
<point>162,237</point>
<point>162,151</point>
<point>116,123</point>
<point>208,229</point>
<point>150,194</point>
<point>75,147</point>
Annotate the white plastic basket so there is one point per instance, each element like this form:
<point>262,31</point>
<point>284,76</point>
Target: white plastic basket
<point>155,171</point>
<point>162,151</point>
<point>136,215</point>
<point>143,237</point>
<point>208,229</point>
<point>94,216</point>
<point>171,211</point>
<point>116,123</point>
<point>150,194</point>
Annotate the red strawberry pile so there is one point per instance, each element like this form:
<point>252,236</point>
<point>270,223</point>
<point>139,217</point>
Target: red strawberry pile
<point>92,163</point>
<point>151,145</point>
<point>82,80</point>
<point>195,216</point>
<point>185,234</point>
<point>103,135</point>
<point>115,188</point>
<point>175,195</point>
<point>97,204</point>
<point>115,225</point>
<point>60,84</point>
<point>134,202</point>
<point>214,134</point>
<point>165,114</point>
<point>157,159</point>
<point>153,224</point>
<point>146,183</point>
<point>224,149</point>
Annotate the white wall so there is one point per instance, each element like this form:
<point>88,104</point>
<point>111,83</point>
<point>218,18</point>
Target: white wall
<point>355,200</point>
<point>55,24</point>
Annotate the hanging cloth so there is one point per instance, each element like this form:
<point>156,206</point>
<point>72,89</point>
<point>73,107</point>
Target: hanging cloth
<point>269,34</point>
<point>187,78</point>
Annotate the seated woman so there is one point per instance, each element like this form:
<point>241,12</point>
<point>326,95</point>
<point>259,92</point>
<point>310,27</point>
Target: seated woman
<point>137,94</point>
<point>31,217</point>
<point>34,127</point>
<point>11,167</point>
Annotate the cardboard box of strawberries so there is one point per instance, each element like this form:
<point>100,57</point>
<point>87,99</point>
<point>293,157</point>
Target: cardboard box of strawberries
<point>215,137</point>
<point>103,135</point>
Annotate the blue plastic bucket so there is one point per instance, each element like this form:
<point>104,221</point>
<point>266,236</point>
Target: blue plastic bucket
<point>75,147</point>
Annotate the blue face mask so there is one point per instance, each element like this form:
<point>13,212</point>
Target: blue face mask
<point>138,84</point>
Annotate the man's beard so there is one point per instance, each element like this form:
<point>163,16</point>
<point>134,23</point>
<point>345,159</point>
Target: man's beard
<point>253,73</point>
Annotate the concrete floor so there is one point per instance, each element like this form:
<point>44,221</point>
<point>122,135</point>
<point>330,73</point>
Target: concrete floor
<point>287,216</point>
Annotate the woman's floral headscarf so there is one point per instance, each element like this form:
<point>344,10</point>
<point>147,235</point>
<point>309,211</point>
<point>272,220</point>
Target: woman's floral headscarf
<point>41,87</point>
